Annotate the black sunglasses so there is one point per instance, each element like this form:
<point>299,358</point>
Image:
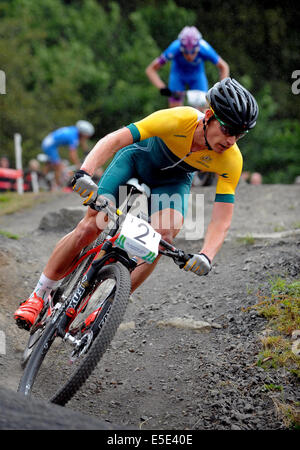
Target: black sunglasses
<point>229,131</point>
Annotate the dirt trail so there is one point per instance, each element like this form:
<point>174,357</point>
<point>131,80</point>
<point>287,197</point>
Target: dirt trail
<point>157,375</point>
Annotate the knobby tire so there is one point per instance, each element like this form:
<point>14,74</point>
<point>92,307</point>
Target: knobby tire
<point>98,346</point>
<point>67,288</point>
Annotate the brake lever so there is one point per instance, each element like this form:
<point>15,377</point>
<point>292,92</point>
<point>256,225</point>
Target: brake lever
<point>99,205</point>
<point>182,259</point>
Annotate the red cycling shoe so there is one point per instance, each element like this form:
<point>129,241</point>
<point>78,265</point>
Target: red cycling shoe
<point>28,312</point>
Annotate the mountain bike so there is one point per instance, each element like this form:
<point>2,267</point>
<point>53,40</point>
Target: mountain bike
<point>79,322</point>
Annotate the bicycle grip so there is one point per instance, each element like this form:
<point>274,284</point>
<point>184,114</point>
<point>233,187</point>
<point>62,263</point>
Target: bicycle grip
<point>184,259</point>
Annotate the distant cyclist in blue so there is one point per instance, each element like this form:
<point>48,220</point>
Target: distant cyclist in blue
<point>71,136</point>
<point>187,54</point>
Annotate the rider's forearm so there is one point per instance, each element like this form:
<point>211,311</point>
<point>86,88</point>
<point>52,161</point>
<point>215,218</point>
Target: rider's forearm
<point>74,158</point>
<point>105,149</point>
<point>156,80</point>
<point>214,238</point>
<point>153,76</point>
<point>223,69</point>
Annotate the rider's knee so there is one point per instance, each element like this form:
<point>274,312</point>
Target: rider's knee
<point>168,223</point>
<point>168,234</point>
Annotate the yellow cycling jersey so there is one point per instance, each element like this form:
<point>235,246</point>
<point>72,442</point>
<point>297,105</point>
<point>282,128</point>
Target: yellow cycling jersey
<point>176,127</point>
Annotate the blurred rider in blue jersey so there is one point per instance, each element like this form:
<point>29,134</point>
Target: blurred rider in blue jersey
<point>187,54</point>
<point>71,136</point>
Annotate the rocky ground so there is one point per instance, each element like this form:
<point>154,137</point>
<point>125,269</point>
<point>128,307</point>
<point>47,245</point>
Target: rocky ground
<point>164,370</point>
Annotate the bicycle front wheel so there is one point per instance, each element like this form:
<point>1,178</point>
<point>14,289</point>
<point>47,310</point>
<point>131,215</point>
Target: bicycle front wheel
<point>66,289</point>
<point>59,367</point>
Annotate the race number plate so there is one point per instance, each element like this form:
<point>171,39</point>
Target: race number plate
<point>138,238</point>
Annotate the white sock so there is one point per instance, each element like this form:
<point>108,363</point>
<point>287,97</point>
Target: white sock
<point>45,286</point>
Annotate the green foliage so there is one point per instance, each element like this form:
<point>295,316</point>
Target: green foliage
<point>165,24</point>
<point>66,60</point>
<point>282,310</point>
<point>273,387</point>
<point>11,202</point>
<point>9,235</point>
<point>272,148</point>
<point>62,65</point>
<point>246,240</point>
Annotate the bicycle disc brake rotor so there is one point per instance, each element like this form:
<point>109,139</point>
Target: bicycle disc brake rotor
<point>82,346</point>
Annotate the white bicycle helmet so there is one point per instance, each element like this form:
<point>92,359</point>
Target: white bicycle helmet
<point>189,38</point>
<point>85,128</point>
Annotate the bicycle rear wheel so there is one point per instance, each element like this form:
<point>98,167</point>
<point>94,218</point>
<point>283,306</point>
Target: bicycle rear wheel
<point>57,369</point>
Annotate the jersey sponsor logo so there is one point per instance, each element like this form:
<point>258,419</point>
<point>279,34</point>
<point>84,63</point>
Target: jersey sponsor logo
<point>206,158</point>
<point>180,135</point>
<point>203,164</point>
<point>224,175</point>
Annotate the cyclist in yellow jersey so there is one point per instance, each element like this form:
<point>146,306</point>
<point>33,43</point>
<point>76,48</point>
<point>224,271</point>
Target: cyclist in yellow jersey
<point>177,129</point>
<point>162,150</point>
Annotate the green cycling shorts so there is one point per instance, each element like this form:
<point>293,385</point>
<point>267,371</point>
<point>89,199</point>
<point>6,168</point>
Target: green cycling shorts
<point>145,160</point>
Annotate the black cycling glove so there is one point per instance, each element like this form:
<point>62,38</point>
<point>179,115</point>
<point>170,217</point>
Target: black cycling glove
<point>166,92</point>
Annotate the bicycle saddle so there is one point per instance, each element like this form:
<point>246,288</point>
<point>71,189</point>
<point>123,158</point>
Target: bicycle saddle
<point>142,188</point>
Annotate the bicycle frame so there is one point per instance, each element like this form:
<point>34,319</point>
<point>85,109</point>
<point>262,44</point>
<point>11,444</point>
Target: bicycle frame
<point>107,253</point>
<point>101,311</point>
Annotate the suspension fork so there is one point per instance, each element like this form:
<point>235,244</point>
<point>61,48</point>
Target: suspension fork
<point>81,292</point>
<point>68,312</point>
<point>105,254</point>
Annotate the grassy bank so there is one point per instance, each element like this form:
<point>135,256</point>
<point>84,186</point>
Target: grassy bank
<point>11,202</point>
<point>281,344</point>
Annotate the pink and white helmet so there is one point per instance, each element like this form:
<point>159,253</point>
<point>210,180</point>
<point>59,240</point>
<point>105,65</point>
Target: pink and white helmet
<point>189,39</point>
